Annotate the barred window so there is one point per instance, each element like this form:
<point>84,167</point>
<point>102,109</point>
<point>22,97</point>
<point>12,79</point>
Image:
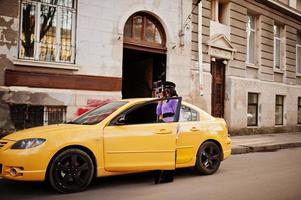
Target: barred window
<point>48,30</point>
<point>26,116</point>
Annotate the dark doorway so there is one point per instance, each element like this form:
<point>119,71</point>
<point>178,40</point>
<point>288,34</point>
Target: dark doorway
<point>218,88</point>
<point>140,69</point>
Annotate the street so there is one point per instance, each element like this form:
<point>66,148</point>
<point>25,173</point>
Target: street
<point>269,175</point>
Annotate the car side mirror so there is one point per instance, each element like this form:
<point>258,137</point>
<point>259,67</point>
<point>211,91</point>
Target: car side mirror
<point>120,121</point>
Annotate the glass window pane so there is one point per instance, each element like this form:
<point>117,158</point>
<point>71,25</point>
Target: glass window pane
<point>137,29</point>
<point>299,59</point>
<point>277,53</point>
<point>279,115</point>
<point>251,22</point>
<point>279,100</point>
<point>128,28</point>
<point>66,35</point>
<point>158,38</point>
<point>299,37</point>
<point>277,31</point>
<point>299,110</point>
<point>251,48</point>
<point>28,30</point>
<point>299,115</point>
<point>252,98</point>
<point>252,115</point>
<point>48,33</point>
<point>150,31</point>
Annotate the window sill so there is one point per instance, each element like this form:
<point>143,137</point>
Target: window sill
<point>279,126</point>
<point>249,127</point>
<point>33,63</point>
<point>250,65</point>
<point>279,71</point>
<point>298,75</point>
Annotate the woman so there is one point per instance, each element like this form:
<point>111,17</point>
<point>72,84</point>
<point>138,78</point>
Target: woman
<point>166,109</point>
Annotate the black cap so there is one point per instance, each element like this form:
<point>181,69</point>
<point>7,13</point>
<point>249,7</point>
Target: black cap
<point>169,84</point>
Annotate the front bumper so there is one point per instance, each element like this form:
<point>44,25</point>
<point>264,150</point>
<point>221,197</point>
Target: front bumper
<point>227,148</point>
<point>23,165</point>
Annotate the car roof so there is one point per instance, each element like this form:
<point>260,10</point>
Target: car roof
<point>201,111</point>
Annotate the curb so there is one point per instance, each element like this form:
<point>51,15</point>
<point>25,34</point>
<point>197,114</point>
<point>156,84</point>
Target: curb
<point>242,149</point>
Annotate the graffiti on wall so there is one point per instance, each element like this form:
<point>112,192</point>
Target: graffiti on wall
<point>91,103</point>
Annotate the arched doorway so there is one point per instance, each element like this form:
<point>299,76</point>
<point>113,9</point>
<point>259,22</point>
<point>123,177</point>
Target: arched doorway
<point>144,55</point>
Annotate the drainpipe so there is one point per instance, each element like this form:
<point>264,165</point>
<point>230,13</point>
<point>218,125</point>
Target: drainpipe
<point>200,48</point>
<point>181,32</point>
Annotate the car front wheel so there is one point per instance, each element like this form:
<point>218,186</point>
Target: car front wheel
<point>208,158</point>
<point>71,171</point>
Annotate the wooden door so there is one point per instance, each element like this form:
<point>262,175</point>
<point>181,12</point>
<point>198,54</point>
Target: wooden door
<point>218,88</point>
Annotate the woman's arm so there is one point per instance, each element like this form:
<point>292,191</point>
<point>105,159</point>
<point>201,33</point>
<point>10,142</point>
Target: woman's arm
<point>159,109</point>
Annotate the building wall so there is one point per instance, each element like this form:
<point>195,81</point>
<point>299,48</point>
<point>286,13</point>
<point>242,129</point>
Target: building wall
<point>99,51</point>
<point>261,78</point>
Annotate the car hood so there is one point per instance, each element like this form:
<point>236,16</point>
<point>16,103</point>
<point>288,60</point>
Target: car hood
<point>45,131</point>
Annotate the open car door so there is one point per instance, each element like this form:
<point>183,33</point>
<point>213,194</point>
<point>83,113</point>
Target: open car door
<point>135,140</point>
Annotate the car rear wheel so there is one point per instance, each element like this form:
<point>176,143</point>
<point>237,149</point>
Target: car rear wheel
<point>71,171</point>
<point>208,158</point>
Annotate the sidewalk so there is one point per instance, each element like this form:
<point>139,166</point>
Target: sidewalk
<point>266,142</point>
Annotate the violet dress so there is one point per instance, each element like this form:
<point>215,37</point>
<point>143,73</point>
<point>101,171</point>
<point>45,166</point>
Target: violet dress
<point>167,109</point>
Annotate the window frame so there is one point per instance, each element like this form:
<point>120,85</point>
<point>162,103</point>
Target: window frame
<point>298,46</point>
<point>114,121</point>
<point>282,110</point>
<point>143,44</point>
<point>298,65</point>
<point>299,110</point>
<point>280,39</point>
<point>34,115</point>
<point>249,30</point>
<point>257,107</point>
<point>191,110</point>
<point>37,40</point>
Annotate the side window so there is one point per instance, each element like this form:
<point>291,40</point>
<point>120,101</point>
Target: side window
<point>142,115</point>
<point>158,111</point>
<point>188,114</point>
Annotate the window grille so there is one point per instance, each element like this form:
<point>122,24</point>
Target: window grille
<point>48,30</point>
<point>26,116</point>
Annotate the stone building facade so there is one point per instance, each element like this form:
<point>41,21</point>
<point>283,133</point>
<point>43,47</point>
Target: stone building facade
<point>251,63</point>
<point>60,57</point>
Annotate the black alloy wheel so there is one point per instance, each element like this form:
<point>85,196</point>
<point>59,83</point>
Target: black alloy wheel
<point>208,158</point>
<point>71,171</point>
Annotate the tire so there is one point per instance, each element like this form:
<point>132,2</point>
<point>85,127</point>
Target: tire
<point>71,171</point>
<point>208,158</point>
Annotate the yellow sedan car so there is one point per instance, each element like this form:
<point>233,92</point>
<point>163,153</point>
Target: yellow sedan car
<point>120,137</point>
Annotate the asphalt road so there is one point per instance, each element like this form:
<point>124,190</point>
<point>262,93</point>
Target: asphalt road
<point>264,176</point>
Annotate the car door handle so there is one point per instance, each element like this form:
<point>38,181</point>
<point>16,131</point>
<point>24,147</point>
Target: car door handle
<point>164,131</point>
<point>194,129</point>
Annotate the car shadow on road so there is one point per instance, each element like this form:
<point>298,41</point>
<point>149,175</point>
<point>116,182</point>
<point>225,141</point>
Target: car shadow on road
<point>32,190</point>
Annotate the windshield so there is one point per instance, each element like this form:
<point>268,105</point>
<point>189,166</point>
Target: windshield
<point>98,114</point>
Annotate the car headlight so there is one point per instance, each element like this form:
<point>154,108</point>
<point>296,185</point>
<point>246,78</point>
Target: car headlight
<point>28,143</point>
